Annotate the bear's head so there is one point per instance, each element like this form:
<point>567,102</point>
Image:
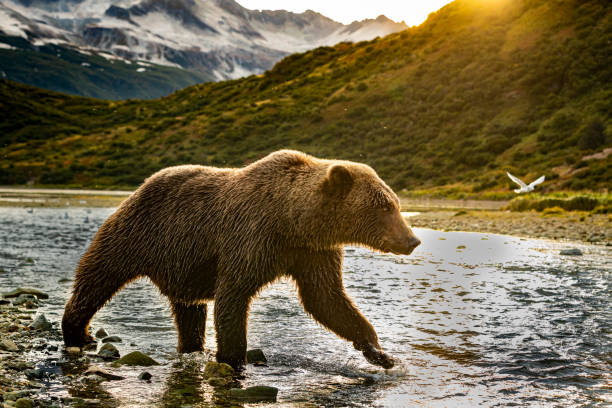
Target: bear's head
<point>365,210</point>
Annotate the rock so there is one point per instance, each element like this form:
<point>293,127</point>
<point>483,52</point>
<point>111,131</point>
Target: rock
<point>571,251</point>
<point>4,302</point>
<point>108,351</point>
<point>219,382</point>
<point>64,280</point>
<point>256,356</point>
<point>53,347</point>
<point>111,339</point>
<point>145,376</point>
<point>24,403</point>
<point>258,393</point>
<point>214,369</point>
<point>33,374</point>
<point>90,346</point>
<point>23,298</point>
<point>31,305</point>
<point>15,395</point>
<point>31,291</point>
<point>41,323</point>
<point>8,345</point>
<point>135,358</point>
<point>95,370</point>
<point>73,350</point>
<point>101,333</point>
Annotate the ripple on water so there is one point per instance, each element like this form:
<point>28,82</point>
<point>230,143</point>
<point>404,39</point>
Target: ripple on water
<point>499,321</point>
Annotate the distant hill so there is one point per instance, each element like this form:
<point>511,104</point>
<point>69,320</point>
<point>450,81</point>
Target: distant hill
<point>118,49</point>
<point>480,88</point>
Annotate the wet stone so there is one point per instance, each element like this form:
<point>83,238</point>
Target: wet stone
<point>41,323</point>
<point>8,345</point>
<point>101,333</point>
<point>100,372</point>
<point>33,374</point>
<point>24,298</point>
<point>24,403</point>
<point>256,356</point>
<point>571,251</point>
<point>145,376</point>
<point>73,350</point>
<point>214,369</point>
<point>31,291</point>
<point>259,393</point>
<point>111,339</point>
<point>15,395</point>
<point>219,382</point>
<point>135,358</point>
<point>108,351</point>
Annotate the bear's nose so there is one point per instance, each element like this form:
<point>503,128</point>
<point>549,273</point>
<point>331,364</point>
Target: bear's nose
<point>414,242</point>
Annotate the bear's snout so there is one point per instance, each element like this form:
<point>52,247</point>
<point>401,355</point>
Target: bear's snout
<point>398,237</point>
<point>404,247</point>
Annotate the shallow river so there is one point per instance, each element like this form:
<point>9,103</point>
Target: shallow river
<point>473,319</point>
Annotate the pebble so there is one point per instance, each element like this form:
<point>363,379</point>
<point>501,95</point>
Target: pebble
<point>24,298</point>
<point>259,393</point>
<point>145,376</point>
<point>73,350</point>
<point>100,372</point>
<point>218,381</point>
<point>571,251</point>
<point>15,395</point>
<point>101,333</point>
<point>33,374</point>
<point>30,291</point>
<point>8,345</point>
<point>135,358</point>
<point>256,356</point>
<point>108,351</point>
<point>41,323</point>
<point>111,339</point>
<point>214,369</point>
<point>24,403</point>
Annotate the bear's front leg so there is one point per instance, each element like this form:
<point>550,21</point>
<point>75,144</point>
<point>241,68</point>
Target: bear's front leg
<point>318,275</point>
<point>231,313</point>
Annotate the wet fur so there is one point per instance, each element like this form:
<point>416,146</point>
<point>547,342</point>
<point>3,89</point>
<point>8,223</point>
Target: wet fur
<point>202,233</point>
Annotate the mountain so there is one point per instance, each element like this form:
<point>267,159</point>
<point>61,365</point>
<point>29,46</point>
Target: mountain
<point>146,48</point>
<point>482,87</point>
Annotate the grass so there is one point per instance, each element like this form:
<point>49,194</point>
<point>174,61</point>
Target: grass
<point>443,109</point>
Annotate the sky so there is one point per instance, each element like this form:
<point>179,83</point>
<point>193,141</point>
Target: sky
<point>413,12</point>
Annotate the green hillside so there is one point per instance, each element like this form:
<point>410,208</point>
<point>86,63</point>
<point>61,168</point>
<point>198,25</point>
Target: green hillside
<point>483,86</point>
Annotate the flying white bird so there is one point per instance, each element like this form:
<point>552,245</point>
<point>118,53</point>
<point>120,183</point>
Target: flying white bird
<point>525,188</point>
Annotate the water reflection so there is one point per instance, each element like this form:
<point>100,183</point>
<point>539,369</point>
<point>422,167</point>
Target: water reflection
<point>472,318</point>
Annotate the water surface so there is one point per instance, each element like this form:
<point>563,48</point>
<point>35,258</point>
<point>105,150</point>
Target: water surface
<point>472,319</point>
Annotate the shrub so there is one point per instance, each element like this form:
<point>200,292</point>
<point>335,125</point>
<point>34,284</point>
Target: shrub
<point>591,135</point>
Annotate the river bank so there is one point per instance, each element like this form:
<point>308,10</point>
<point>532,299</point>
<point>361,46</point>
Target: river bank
<point>566,226</point>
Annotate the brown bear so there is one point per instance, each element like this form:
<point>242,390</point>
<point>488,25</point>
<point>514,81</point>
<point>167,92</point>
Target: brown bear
<point>203,233</point>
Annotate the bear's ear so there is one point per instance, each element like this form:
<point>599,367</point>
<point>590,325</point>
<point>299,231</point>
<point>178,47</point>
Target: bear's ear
<point>339,180</point>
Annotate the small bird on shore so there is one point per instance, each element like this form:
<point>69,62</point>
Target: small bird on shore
<point>525,188</point>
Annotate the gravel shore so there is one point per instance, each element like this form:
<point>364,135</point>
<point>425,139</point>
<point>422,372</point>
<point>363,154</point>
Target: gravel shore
<point>567,226</point>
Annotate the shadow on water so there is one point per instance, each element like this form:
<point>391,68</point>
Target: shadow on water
<point>472,319</point>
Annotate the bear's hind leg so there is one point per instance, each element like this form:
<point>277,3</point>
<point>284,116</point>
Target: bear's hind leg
<point>191,325</point>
